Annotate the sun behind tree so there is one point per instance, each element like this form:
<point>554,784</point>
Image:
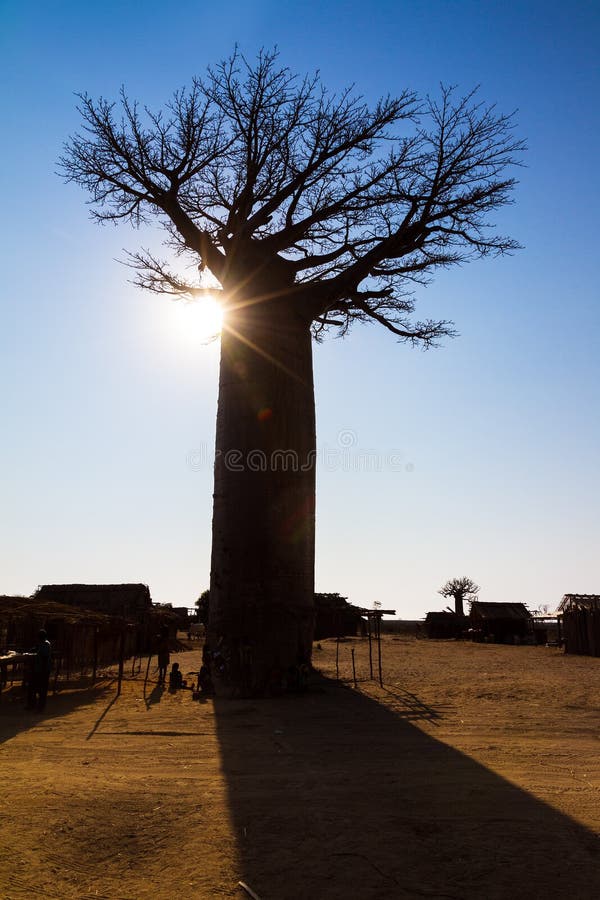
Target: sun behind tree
<point>314,212</point>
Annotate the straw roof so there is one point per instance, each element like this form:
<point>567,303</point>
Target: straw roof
<point>580,601</point>
<point>24,607</point>
<point>484,610</point>
<point>75,593</point>
<point>125,601</point>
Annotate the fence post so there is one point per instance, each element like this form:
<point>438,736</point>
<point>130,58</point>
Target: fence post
<point>95,670</point>
<point>379,649</point>
<point>121,660</point>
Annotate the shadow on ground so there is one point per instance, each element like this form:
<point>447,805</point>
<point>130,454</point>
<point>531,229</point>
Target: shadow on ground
<point>333,795</point>
<point>14,718</point>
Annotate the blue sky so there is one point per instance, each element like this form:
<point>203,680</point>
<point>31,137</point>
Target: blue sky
<point>107,402</point>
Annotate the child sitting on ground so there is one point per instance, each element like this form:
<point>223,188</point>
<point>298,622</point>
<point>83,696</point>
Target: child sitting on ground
<point>205,684</point>
<point>176,678</point>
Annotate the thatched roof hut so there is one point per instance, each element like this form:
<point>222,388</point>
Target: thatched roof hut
<point>579,601</point>
<point>44,611</point>
<point>78,636</point>
<point>445,625</point>
<point>129,601</point>
<point>335,617</point>
<point>501,622</point>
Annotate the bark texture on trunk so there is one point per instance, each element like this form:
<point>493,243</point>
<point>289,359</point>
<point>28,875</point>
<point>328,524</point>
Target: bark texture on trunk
<point>262,569</point>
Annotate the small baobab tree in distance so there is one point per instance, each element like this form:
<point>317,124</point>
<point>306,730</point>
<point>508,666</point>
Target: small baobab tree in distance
<point>314,211</point>
<point>460,589</point>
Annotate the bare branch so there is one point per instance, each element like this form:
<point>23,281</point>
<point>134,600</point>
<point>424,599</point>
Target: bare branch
<point>154,275</point>
<point>283,188</point>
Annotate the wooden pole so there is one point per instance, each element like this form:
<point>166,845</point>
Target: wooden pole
<point>56,672</point>
<point>378,620</point>
<point>137,655</point>
<point>147,670</point>
<point>121,660</point>
<point>370,645</point>
<point>95,669</point>
<point>353,669</point>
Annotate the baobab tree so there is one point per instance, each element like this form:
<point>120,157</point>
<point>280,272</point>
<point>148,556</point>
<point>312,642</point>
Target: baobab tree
<point>460,589</point>
<point>314,211</point>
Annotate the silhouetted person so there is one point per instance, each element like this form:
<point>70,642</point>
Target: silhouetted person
<point>163,655</point>
<point>39,676</point>
<point>205,684</point>
<point>176,678</point>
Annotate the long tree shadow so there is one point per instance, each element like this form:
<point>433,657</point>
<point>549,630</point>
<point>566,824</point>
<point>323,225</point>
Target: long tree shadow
<point>333,795</point>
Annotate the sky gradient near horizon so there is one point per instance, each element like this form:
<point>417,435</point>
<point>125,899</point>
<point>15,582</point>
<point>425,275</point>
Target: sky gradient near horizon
<point>108,396</point>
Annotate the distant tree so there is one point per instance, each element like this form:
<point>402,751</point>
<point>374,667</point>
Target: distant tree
<point>460,589</point>
<point>202,604</point>
<point>313,211</point>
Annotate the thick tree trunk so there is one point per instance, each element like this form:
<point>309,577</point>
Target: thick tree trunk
<point>262,570</point>
<point>458,606</point>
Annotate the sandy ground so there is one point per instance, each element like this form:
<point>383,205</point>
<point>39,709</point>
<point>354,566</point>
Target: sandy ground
<point>474,773</point>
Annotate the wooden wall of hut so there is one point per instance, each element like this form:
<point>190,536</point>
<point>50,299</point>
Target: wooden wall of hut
<point>81,640</point>
<point>581,631</point>
<point>78,647</point>
<point>445,625</point>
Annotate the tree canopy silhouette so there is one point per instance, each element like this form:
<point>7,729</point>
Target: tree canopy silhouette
<point>460,589</point>
<point>202,607</point>
<point>314,211</point>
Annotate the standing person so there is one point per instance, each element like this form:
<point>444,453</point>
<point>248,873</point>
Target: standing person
<point>39,676</point>
<point>163,655</point>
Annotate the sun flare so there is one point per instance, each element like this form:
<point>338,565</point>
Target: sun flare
<point>198,320</point>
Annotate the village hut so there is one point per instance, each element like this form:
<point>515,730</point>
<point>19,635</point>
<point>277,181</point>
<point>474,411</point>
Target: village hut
<point>130,602</point>
<point>501,623</point>
<point>335,617</point>
<point>580,617</point>
<point>81,639</point>
<point>445,625</point>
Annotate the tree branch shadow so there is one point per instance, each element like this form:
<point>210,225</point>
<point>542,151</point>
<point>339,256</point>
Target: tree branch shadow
<point>333,795</point>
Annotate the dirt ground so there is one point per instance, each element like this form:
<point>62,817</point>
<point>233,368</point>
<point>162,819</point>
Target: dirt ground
<point>474,773</point>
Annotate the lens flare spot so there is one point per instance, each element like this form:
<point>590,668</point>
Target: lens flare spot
<point>265,414</point>
<point>299,524</point>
